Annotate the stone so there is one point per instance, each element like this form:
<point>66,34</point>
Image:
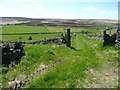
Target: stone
<point>107,74</point>
<point>91,70</point>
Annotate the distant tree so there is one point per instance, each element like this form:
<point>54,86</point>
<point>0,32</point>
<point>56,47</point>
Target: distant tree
<point>20,38</point>
<point>82,31</point>
<point>30,38</point>
<point>97,28</point>
<point>2,41</point>
<point>44,38</point>
<point>62,35</point>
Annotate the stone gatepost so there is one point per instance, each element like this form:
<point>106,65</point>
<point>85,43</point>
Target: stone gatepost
<point>118,38</point>
<point>68,41</point>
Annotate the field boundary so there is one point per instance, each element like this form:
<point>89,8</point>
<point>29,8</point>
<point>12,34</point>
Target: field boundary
<point>30,33</point>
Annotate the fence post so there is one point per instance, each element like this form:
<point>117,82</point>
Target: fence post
<point>68,41</point>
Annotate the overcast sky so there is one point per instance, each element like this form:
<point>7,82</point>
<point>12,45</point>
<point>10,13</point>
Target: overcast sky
<point>70,9</point>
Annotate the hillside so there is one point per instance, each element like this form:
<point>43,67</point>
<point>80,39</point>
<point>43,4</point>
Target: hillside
<point>13,20</point>
<point>58,22</point>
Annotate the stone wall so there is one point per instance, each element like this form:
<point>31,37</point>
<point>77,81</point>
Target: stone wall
<point>118,38</point>
<point>11,52</point>
<point>109,39</point>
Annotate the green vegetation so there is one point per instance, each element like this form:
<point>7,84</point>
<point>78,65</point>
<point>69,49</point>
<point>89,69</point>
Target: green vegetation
<point>8,29</point>
<point>22,29</point>
<point>84,54</point>
<point>8,38</point>
<point>68,73</point>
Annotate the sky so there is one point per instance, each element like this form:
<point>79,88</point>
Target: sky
<point>65,9</point>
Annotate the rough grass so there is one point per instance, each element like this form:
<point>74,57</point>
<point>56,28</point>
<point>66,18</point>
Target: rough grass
<point>67,74</point>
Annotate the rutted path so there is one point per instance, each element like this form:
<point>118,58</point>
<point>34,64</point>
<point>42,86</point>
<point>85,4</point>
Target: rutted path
<point>107,77</point>
<point>107,74</point>
<point>40,70</point>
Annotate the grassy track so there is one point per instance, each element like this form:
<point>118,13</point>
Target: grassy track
<point>86,54</point>
<point>72,71</point>
<point>66,74</point>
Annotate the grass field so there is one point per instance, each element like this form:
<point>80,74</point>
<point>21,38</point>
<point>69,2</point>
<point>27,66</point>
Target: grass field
<point>34,29</point>
<point>8,38</point>
<point>70,73</point>
<point>18,31</point>
<point>22,29</point>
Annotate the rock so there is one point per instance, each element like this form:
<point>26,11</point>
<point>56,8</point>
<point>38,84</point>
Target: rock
<point>97,86</point>
<point>91,71</point>
<point>11,83</point>
<point>67,84</point>
<point>94,78</point>
<point>31,75</point>
<point>116,71</point>
<point>107,74</point>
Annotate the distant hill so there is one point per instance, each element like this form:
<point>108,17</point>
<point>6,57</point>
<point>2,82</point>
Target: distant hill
<point>57,22</point>
<point>13,20</point>
<point>16,18</point>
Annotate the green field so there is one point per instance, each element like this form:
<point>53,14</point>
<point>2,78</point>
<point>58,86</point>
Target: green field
<point>20,31</point>
<point>35,37</point>
<point>34,29</point>
<point>85,55</point>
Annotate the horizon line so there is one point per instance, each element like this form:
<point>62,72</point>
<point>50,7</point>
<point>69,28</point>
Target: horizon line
<point>54,18</point>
